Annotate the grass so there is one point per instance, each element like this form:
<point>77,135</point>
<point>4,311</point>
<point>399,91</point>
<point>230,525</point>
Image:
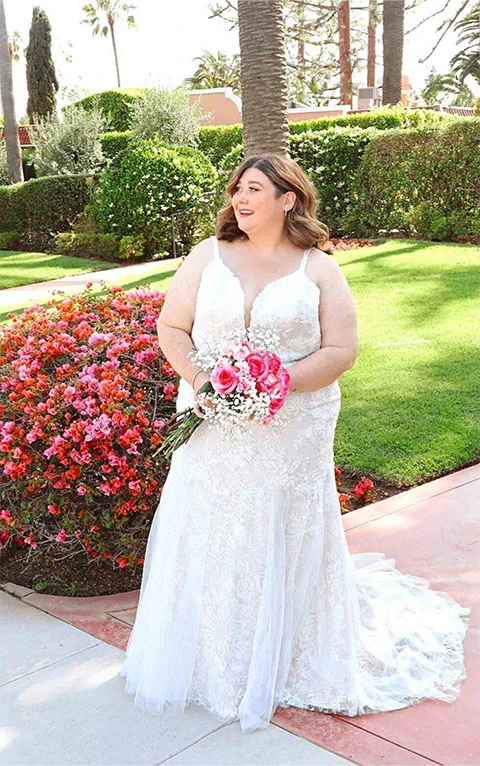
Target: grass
<point>411,404</point>
<point>17,268</point>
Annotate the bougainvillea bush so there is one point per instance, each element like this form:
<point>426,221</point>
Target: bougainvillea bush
<point>84,394</point>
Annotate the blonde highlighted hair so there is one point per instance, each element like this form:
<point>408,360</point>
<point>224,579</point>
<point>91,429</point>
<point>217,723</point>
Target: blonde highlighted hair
<point>303,227</point>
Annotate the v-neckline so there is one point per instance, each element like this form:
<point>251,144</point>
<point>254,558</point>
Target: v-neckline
<point>264,288</point>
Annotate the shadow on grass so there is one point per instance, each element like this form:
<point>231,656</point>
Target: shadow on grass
<point>413,432</point>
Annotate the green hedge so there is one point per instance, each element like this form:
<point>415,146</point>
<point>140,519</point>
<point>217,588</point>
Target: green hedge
<point>115,142</point>
<point>104,247</point>
<point>50,203</point>
<point>113,105</point>
<point>217,141</point>
<point>423,181</point>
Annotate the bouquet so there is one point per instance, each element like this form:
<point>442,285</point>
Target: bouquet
<point>246,384</point>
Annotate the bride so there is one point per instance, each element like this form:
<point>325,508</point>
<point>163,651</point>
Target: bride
<point>249,597</point>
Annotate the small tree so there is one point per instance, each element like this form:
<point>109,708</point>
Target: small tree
<point>71,146</point>
<point>166,114</point>
<point>41,78</point>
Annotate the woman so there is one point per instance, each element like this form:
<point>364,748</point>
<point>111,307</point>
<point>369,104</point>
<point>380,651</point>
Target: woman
<point>249,597</point>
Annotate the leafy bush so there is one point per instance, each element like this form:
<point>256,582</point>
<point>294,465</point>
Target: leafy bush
<point>104,247</point>
<point>43,204</point>
<point>217,141</point>
<point>3,165</point>
<point>8,240</point>
<point>114,105</point>
<point>476,108</point>
<point>68,147</point>
<point>166,114</point>
<point>421,181</point>
<point>382,119</point>
<point>155,190</point>
<point>331,159</point>
<point>29,241</point>
<point>84,394</point>
<point>115,142</point>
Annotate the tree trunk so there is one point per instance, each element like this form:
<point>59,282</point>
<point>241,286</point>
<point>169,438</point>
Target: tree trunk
<point>14,157</point>
<point>300,90</point>
<point>263,76</point>
<point>111,24</point>
<point>372,33</point>
<point>343,15</point>
<point>393,32</point>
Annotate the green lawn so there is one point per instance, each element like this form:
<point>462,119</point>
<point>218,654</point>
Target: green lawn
<point>411,404</point>
<point>17,269</point>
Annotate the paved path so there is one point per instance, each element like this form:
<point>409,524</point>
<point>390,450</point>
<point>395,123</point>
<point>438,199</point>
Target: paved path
<point>28,294</point>
<point>58,667</point>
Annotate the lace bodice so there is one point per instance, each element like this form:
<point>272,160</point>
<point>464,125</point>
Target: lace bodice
<point>288,305</point>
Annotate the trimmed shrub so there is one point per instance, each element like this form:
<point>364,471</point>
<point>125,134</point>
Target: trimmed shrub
<point>8,240</point>
<point>331,159</point>
<point>157,192</point>
<point>423,181</point>
<point>44,204</point>
<point>114,143</point>
<point>217,141</point>
<point>114,105</point>
<point>382,119</point>
<point>104,247</point>
<point>84,394</point>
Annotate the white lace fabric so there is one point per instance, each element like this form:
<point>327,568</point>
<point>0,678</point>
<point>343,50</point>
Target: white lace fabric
<point>249,597</point>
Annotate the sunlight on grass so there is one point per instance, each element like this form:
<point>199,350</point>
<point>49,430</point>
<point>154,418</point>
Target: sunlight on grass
<point>17,269</point>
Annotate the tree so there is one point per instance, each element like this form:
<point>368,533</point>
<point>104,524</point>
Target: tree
<point>216,71</point>
<point>344,52</point>
<point>42,82</point>
<point>467,60</point>
<point>371,44</point>
<point>263,76</point>
<point>108,11</point>
<point>446,89</point>
<point>393,34</point>
<point>12,143</point>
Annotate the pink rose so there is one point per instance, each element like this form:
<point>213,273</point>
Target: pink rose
<point>284,380</point>
<point>257,366</point>
<point>242,349</point>
<point>274,363</point>
<point>224,379</point>
<point>276,404</point>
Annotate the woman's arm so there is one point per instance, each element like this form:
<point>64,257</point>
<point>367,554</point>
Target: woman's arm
<point>176,318</point>
<point>338,322</point>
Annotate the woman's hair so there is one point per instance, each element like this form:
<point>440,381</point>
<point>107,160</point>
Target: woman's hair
<point>303,227</point>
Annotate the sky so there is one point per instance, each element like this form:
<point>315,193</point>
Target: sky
<point>161,51</point>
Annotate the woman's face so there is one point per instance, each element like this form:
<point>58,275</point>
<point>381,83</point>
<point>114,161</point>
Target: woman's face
<point>255,204</point>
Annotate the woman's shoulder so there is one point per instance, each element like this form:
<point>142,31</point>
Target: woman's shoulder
<point>322,267</point>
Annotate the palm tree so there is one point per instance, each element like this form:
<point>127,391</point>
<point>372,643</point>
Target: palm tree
<point>216,71</point>
<point>263,76</point>
<point>393,32</point>
<point>108,11</point>
<point>12,143</point>
<point>467,60</point>
<point>345,61</point>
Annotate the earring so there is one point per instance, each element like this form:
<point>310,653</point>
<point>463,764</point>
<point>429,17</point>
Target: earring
<point>285,212</point>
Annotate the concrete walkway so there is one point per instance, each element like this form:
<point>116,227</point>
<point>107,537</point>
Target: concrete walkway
<point>61,701</point>
<point>29,294</point>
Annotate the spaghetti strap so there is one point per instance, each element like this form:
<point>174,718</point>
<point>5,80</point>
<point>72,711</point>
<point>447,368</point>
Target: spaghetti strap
<point>305,259</point>
<point>216,252</point>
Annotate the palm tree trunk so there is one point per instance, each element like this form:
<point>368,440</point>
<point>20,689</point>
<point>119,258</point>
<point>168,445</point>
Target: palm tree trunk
<point>343,15</point>
<point>372,30</point>
<point>111,24</point>
<point>393,32</point>
<point>263,76</point>
<point>14,157</point>
<point>300,90</point>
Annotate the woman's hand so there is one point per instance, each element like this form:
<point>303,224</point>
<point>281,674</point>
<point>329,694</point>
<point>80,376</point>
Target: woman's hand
<point>200,380</point>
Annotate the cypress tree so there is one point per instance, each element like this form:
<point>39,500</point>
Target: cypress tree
<point>42,82</point>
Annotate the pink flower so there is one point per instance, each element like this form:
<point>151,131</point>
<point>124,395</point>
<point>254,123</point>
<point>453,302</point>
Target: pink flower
<point>62,536</point>
<point>276,404</point>
<point>284,379</point>
<point>257,366</point>
<point>224,379</point>
<point>274,363</point>
<point>242,349</point>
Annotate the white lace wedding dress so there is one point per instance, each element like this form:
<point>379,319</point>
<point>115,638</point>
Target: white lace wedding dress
<point>249,597</point>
